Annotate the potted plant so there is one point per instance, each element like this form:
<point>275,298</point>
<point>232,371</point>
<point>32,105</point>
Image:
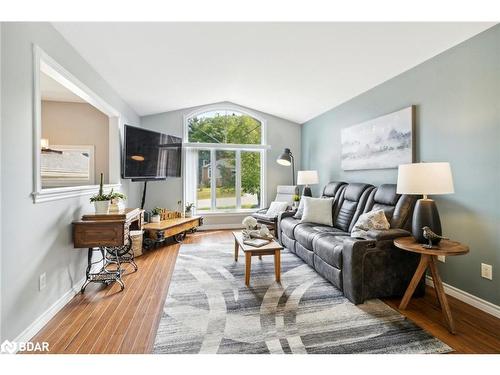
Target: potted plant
<point>155,215</point>
<point>189,210</point>
<point>296,200</point>
<point>115,201</point>
<point>101,201</point>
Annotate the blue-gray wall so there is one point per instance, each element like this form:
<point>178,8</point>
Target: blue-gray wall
<point>457,98</point>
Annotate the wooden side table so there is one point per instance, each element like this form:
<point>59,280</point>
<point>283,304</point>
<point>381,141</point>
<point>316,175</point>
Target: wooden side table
<point>272,248</point>
<point>428,259</point>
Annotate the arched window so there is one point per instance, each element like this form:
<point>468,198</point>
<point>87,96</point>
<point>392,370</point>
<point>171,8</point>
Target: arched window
<point>224,160</point>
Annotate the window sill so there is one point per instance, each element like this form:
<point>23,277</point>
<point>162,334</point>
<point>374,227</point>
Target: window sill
<point>227,213</point>
<point>52,194</point>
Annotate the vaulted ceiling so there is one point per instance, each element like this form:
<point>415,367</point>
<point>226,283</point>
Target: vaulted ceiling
<point>292,70</point>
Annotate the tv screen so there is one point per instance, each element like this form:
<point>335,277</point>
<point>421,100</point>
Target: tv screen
<point>149,155</point>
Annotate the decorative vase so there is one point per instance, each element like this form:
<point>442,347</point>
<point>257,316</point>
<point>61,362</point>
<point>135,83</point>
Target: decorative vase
<point>188,213</point>
<point>155,218</point>
<point>101,207</point>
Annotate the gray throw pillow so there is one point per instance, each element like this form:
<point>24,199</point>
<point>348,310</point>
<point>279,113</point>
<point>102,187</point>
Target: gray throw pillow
<point>317,211</point>
<point>369,221</point>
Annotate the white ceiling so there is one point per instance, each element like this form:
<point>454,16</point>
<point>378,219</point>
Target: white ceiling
<point>292,70</point>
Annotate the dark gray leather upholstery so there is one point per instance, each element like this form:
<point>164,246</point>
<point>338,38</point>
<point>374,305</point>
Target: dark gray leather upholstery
<point>361,268</point>
<point>350,205</point>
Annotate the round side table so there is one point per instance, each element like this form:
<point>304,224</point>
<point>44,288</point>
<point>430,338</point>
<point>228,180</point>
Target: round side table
<point>428,259</point>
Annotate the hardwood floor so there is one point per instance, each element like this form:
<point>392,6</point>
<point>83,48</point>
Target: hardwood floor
<point>104,320</point>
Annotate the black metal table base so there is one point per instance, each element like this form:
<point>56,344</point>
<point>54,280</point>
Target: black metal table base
<point>109,256</point>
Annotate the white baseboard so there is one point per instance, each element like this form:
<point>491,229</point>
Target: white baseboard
<point>43,319</point>
<point>468,298</point>
<point>220,226</point>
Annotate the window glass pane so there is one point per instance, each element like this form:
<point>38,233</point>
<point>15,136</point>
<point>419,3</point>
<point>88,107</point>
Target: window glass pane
<point>250,179</point>
<point>224,127</point>
<point>225,180</point>
<point>203,198</point>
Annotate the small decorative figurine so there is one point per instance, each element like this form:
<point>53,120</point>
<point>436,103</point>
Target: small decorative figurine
<point>431,236</point>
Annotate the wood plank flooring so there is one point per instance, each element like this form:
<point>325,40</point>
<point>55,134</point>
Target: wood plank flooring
<point>104,320</point>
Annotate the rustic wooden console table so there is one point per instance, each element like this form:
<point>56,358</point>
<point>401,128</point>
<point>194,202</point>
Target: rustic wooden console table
<point>109,234</point>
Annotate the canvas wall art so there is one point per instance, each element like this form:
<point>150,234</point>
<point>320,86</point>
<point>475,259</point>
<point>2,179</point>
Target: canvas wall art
<point>384,142</point>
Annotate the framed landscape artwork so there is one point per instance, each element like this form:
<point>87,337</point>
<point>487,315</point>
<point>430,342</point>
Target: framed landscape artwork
<point>384,142</point>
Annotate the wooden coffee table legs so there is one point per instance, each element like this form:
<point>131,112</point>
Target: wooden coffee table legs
<point>429,261</point>
<point>248,266</point>
<point>248,261</point>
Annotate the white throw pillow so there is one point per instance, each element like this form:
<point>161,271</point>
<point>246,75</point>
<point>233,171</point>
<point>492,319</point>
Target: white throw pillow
<point>276,208</point>
<point>317,210</point>
<point>369,221</point>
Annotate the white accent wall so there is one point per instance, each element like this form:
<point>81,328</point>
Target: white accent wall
<point>37,237</point>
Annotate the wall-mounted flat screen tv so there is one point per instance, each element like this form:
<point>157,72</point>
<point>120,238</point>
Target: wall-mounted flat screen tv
<point>150,155</point>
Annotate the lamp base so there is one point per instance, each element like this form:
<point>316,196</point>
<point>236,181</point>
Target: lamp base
<point>307,191</point>
<point>426,214</point>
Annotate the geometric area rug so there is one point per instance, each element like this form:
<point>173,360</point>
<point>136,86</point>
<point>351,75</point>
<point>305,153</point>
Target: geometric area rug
<point>210,310</point>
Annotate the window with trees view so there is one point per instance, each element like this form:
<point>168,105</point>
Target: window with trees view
<point>224,161</point>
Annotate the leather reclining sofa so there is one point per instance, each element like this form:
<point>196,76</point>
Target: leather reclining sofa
<point>361,268</point>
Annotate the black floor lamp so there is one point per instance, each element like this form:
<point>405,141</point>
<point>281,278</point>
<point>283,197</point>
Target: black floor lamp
<point>286,159</point>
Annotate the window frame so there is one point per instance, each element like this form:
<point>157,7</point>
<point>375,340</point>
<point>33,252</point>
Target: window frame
<point>238,148</point>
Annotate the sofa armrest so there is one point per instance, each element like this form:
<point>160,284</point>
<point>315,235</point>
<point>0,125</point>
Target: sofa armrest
<point>281,216</point>
<point>286,214</point>
<point>387,234</point>
<point>353,254</point>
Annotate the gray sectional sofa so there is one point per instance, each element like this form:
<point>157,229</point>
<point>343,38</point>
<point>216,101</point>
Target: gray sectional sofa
<point>361,268</point>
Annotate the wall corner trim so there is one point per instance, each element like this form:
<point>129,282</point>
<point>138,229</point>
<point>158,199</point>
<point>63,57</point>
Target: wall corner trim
<point>468,298</point>
<point>43,319</point>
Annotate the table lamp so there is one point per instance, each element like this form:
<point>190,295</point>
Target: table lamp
<point>286,159</point>
<point>425,179</point>
<point>307,178</point>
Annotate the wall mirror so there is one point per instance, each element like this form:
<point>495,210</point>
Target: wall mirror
<point>76,134</point>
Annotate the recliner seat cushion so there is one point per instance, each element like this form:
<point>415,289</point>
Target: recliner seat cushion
<point>306,232</point>
<point>329,248</point>
<point>288,225</point>
<point>305,254</point>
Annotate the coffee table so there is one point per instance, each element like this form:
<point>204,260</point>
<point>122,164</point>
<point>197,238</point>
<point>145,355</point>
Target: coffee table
<point>272,248</point>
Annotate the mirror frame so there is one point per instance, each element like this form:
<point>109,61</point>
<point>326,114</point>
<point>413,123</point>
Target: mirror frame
<point>42,62</point>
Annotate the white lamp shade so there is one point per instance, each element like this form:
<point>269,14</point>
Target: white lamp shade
<point>307,178</point>
<point>425,179</point>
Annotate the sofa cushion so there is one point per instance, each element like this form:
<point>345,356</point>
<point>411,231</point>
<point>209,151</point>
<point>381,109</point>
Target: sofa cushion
<point>306,232</point>
<point>397,208</point>
<point>288,242</point>
<point>351,204</point>
<point>329,248</point>
<point>332,189</point>
<point>305,254</point>
<point>317,210</point>
<point>332,274</point>
<point>288,225</point>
